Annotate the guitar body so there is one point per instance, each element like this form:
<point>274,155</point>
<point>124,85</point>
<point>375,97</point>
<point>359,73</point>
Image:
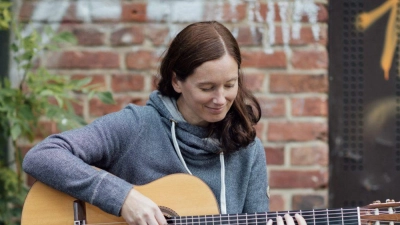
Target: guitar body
<point>192,202</point>
<point>180,192</point>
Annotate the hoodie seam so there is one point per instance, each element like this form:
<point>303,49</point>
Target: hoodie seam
<point>102,176</point>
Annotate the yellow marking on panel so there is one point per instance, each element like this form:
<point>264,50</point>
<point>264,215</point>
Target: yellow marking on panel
<point>366,19</point>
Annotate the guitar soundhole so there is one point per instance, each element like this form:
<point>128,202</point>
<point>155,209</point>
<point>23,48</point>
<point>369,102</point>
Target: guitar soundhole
<point>168,212</point>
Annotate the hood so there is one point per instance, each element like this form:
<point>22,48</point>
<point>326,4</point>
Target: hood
<point>193,140</point>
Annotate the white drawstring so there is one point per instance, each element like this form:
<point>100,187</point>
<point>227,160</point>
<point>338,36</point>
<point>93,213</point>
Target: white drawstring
<point>177,150</point>
<point>223,194</point>
<point>222,161</point>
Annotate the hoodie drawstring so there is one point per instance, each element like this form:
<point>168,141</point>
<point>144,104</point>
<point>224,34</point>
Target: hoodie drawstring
<point>222,161</point>
<point>176,146</point>
<point>223,194</point>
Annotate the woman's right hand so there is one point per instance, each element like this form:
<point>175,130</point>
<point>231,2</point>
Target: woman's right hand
<point>289,220</point>
<point>140,210</point>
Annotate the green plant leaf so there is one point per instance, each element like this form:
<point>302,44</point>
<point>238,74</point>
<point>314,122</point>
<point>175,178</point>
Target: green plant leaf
<point>106,97</point>
<point>15,131</point>
<point>79,83</point>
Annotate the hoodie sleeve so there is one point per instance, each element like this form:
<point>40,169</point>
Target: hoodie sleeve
<point>65,161</point>
<point>257,199</point>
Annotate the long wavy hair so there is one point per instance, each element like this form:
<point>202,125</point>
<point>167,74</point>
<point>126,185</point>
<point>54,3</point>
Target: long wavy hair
<point>194,45</point>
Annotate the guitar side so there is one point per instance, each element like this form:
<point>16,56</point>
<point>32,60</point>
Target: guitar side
<point>184,194</point>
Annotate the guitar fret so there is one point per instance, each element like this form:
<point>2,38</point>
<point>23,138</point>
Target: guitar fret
<point>327,217</point>
<point>202,220</point>
<point>341,210</point>
<point>313,215</point>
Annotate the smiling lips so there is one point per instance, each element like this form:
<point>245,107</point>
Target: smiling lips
<point>215,110</point>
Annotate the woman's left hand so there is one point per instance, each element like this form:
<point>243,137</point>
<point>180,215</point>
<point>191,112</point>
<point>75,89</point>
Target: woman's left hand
<point>289,220</point>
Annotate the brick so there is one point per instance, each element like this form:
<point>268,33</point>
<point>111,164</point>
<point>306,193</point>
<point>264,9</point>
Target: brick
<point>127,82</point>
<point>128,36</point>
<point>309,155</point>
<point>260,126</point>
<point>322,16</point>
<point>213,11</point>
<point>70,15</point>
<point>276,203</point>
<point>306,36</point>
<point>26,10</point>
<point>83,60</point>
<point>154,82</point>
<point>89,37</point>
<point>85,35</point>
<point>297,131</point>
<point>272,107</point>
<point>157,34</point>
<point>134,12</point>
<point>98,81</point>
<point>298,179</point>
<point>309,59</point>
<point>141,59</point>
<point>308,202</point>
<point>312,106</point>
<point>97,108</point>
<point>46,128</point>
<point>275,155</point>
<point>247,38</point>
<point>287,83</point>
<point>264,11</point>
<point>259,59</point>
<point>28,7</point>
<point>254,81</point>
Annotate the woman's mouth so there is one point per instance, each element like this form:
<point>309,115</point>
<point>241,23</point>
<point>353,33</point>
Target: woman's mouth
<point>215,110</point>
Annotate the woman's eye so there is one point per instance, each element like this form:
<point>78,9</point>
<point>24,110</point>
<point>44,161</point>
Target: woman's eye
<point>207,89</point>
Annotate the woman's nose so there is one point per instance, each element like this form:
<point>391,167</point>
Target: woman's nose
<point>219,97</point>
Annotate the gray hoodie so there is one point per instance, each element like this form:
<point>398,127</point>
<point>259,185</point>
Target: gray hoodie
<point>140,144</point>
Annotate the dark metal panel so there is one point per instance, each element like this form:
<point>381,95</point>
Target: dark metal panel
<point>4,66</point>
<point>364,109</point>
<point>4,52</point>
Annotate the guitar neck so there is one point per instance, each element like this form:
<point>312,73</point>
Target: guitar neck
<point>343,216</point>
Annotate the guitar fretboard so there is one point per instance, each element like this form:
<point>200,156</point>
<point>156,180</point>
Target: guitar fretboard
<point>312,217</point>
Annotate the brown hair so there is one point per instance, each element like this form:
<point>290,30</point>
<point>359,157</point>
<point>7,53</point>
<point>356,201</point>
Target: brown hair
<point>194,45</point>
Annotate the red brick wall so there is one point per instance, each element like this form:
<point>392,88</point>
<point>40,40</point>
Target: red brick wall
<point>120,50</point>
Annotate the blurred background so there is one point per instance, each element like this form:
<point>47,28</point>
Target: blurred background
<point>330,110</point>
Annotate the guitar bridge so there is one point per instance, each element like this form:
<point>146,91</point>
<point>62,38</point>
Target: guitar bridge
<point>79,212</point>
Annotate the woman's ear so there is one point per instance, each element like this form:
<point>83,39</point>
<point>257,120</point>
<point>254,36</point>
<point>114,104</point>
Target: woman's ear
<point>176,84</point>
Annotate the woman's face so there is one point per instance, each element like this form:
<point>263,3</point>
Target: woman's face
<point>208,94</point>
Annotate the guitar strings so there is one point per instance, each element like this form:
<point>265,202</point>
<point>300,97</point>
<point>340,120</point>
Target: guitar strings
<point>341,216</point>
<point>336,215</point>
<point>308,221</point>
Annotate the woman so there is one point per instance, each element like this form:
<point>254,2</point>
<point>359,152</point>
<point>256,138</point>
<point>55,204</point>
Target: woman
<point>199,121</point>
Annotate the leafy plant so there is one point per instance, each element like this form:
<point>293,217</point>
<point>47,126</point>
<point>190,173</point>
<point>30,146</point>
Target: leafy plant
<point>5,16</point>
<point>39,94</point>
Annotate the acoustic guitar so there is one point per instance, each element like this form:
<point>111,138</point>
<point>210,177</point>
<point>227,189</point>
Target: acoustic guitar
<point>185,199</point>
